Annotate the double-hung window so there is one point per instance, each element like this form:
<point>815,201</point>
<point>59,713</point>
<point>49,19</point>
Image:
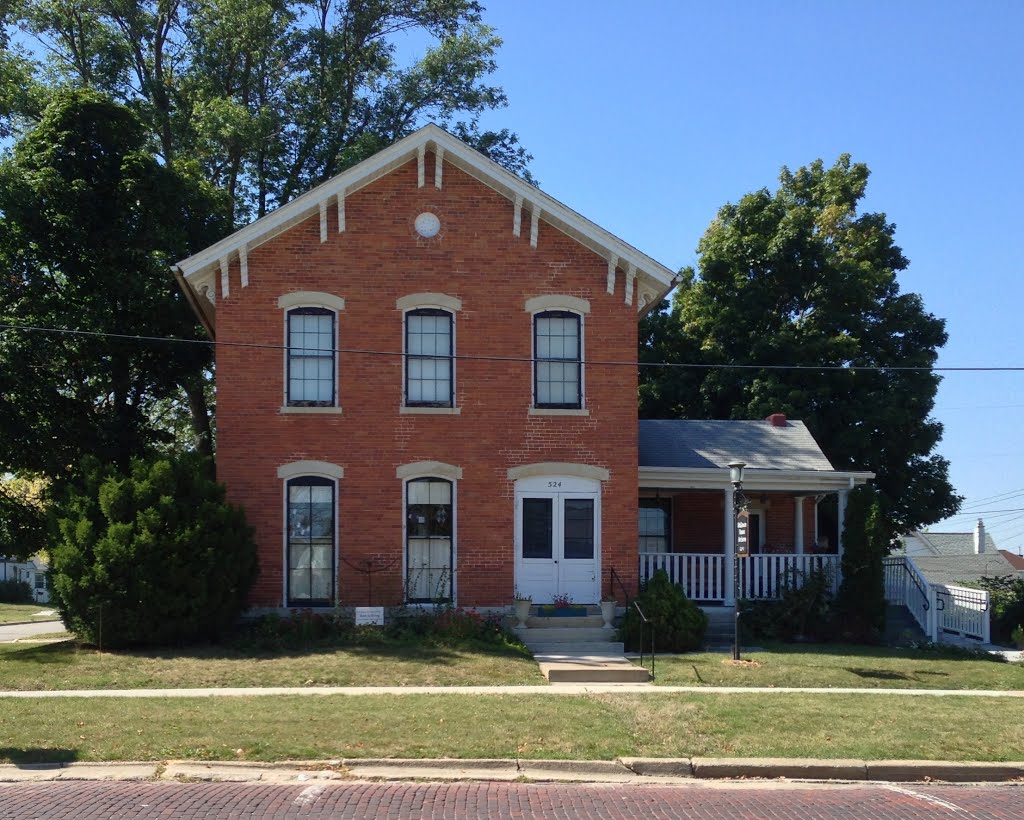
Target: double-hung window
<point>311,357</point>
<point>310,547</point>
<point>655,525</point>
<point>558,360</point>
<point>429,349</point>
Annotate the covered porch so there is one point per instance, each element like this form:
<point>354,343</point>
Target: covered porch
<point>686,516</point>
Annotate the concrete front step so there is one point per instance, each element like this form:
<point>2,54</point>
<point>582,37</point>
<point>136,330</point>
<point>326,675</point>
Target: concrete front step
<point>586,634</point>
<point>539,622</point>
<point>594,649</point>
<point>589,669</point>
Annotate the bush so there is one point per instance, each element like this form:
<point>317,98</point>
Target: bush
<point>679,624</point>
<point>803,612</point>
<point>1006,605</point>
<point>445,626</point>
<point>15,592</point>
<point>154,558</point>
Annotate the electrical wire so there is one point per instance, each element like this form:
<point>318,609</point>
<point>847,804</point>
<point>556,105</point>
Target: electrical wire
<point>473,357</point>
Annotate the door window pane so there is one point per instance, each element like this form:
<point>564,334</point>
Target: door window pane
<point>579,528</point>
<point>537,527</point>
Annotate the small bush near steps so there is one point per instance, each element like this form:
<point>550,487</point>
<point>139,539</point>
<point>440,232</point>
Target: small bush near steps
<point>679,624</point>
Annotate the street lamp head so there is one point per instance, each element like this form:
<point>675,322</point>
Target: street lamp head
<point>736,471</point>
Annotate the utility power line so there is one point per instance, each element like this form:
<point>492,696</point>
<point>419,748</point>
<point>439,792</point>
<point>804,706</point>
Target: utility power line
<point>472,357</point>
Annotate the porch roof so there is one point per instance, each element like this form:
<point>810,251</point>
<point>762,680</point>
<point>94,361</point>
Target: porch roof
<point>695,453</point>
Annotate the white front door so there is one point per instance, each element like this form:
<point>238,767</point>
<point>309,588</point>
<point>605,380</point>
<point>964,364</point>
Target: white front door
<point>558,543</point>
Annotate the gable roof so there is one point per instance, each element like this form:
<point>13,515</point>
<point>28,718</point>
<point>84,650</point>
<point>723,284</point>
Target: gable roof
<point>694,443</point>
<point>198,273</point>
<point>944,543</point>
<point>955,569</point>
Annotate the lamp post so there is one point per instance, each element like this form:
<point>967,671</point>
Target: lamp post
<point>740,536</point>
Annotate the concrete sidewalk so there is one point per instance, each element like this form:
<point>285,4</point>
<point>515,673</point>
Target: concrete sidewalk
<point>635,770</point>
<point>551,689</point>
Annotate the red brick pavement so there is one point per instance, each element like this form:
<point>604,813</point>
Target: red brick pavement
<point>256,801</point>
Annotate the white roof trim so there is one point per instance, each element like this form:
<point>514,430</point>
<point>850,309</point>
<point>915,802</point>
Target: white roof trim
<point>714,478</point>
<point>463,157</point>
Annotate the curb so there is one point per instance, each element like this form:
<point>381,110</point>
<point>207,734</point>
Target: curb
<point>633,770</point>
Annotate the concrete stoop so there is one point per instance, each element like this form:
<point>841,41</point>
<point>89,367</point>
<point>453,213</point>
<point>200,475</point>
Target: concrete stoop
<point>578,650</point>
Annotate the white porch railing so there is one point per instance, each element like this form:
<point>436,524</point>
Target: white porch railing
<point>706,577</point>
<point>943,611</point>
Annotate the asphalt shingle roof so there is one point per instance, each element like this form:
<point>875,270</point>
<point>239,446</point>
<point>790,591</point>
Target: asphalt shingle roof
<point>944,543</point>
<point>954,569</point>
<point>713,444</point>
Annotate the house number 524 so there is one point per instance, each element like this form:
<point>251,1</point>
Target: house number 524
<point>554,483</point>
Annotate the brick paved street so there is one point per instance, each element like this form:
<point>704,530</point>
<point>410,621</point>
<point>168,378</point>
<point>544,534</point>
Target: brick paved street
<point>727,801</point>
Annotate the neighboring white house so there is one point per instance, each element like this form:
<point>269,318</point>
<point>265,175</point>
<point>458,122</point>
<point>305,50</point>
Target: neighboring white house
<point>956,557</point>
<point>33,572</point>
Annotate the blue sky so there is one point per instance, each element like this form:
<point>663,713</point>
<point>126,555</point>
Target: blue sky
<point>647,117</point>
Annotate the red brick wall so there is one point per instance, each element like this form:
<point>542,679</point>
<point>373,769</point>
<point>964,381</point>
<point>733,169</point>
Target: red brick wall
<point>698,521</point>
<point>377,259</point>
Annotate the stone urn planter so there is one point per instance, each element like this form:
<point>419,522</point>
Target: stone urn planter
<point>608,613</point>
<point>522,610</point>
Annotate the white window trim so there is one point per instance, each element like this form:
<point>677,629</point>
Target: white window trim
<point>570,304</point>
<point>436,301</point>
<point>446,472</point>
<point>311,299</point>
<point>312,469</point>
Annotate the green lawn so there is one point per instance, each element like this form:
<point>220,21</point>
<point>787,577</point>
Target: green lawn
<point>506,726</point>
<point>67,666</point>
<point>837,665</point>
<point>16,613</point>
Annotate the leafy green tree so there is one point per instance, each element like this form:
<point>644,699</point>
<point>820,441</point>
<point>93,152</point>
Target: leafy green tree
<point>678,623</point>
<point>22,517</point>
<point>798,277</point>
<point>154,557</point>
<point>274,96</point>
<point>860,605</point>
<point>90,224</point>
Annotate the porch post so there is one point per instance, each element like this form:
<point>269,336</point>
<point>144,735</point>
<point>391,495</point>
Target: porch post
<point>798,525</point>
<point>729,531</point>
<point>844,496</point>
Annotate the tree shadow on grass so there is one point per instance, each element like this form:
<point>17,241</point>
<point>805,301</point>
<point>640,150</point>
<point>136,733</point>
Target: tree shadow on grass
<point>43,758</point>
<point>881,674</point>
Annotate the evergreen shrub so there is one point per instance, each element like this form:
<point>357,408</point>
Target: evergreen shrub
<point>679,624</point>
<point>157,557</point>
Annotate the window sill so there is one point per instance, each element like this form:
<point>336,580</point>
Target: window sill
<point>559,411</point>
<point>430,411</point>
<point>314,410</point>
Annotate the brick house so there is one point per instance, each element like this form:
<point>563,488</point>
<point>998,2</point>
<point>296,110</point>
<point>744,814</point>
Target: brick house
<point>421,392</point>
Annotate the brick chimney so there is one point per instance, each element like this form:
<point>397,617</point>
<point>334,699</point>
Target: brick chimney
<point>777,419</point>
<point>979,537</point>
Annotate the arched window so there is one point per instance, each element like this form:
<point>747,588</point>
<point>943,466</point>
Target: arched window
<point>310,541</point>
<point>429,540</point>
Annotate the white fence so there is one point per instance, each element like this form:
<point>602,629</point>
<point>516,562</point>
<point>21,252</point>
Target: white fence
<point>707,577</point>
<point>943,611</point>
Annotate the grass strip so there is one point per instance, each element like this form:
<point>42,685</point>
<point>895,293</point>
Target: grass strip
<point>506,726</point>
<point>68,666</point>
<point>18,613</point>
<point>841,666</point>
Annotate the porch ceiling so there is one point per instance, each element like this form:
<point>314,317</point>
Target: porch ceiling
<point>809,482</point>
